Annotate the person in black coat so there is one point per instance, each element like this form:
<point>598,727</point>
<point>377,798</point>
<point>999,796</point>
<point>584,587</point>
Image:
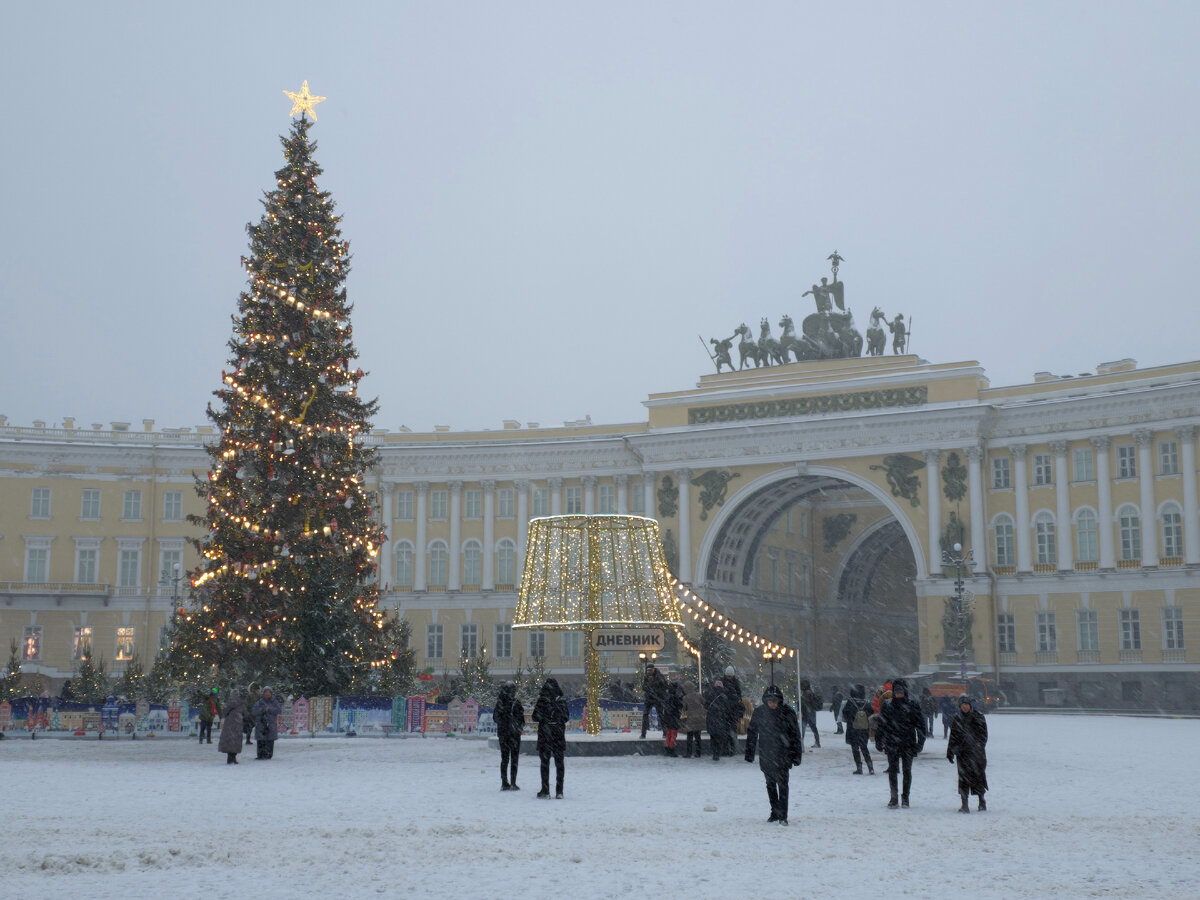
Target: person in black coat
<point>901,735</point>
<point>717,719</point>
<point>509,716</point>
<point>551,714</point>
<point>655,687</point>
<point>774,732</point>
<point>671,711</point>
<point>858,727</point>
<point>968,740</point>
<point>737,709</point>
<point>836,702</point>
<point>266,723</point>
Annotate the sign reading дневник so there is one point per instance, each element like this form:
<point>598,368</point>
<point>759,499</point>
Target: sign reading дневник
<point>634,639</point>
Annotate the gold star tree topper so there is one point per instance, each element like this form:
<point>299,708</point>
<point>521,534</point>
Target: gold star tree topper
<point>303,102</point>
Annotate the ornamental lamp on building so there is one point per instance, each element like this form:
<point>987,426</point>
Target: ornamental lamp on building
<point>597,574</point>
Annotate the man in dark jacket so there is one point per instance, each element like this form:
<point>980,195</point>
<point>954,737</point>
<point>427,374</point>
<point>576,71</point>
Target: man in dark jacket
<point>716,721</point>
<point>266,723</point>
<point>968,740</point>
<point>901,735</point>
<point>810,702</point>
<point>774,733</point>
<point>856,714</point>
<point>209,710</point>
<point>550,712</point>
<point>655,687</point>
<point>509,716</point>
<point>733,687</point>
<point>836,701</point>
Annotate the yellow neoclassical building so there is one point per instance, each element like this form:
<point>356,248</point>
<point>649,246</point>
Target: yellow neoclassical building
<point>818,503</point>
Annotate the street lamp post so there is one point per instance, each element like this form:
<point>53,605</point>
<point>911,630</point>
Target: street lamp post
<point>963,601</point>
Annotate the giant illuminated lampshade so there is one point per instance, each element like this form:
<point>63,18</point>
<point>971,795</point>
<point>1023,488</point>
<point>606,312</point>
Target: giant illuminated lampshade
<point>586,573</point>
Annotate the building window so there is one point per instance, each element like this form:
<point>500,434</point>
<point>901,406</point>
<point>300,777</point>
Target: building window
<point>1131,630</point>
<point>81,643</point>
<point>505,553</point>
<point>571,644</point>
<point>1127,461</point>
<point>1043,471</point>
<point>1089,629</point>
<point>31,643</point>
<point>1047,637</point>
<point>637,500</point>
<point>37,564</point>
<point>87,560</point>
<point>469,645</point>
<point>472,559</point>
<point>574,500</point>
<point>1086,544</point>
<point>433,641</point>
<point>439,561</point>
<point>125,643</point>
<point>473,504</point>
<point>1168,458</point>
<point>131,506</point>
<point>1129,524</point>
<point>402,562</point>
<point>1003,532</point>
<point>168,559</point>
<point>503,634</point>
<point>541,501</point>
<point>1084,470</point>
<point>129,565</point>
<point>1172,530</point>
<point>537,644</point>
<point>504,503</point>
<point>173,506</point>
<point>1001,472</point>
<point>1043,530</point>
<point>1006,633</point>
<point>606,499</point>
<point>437,504</point>
<point>89,506</point>
<point>1172,618</point>
<point>39,503</point>
<point>404,505</point>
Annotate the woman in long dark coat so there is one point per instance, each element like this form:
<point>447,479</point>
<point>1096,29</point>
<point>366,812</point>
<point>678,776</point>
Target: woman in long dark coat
<point>266,723</point>
<point>968,740</point>
<point>550,712</point>
<point>230,742</point>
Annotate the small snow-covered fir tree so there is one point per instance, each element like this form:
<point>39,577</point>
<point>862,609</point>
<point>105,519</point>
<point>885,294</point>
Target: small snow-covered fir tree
<point>89,684</point>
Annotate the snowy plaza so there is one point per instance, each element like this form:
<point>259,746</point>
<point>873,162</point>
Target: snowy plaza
<point>1078,807</point>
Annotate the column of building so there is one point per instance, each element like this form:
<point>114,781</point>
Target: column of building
<point>975,486</point>
<point>648,495</point>
<point>420,582</point>
<point>556,496</point>
<point>386,573</point>
<point>489,536</point>
<point>1191,527</point>
<point>1021,495</point>
<point>522,527</point>
<point>454,581</point>
<point>622,494</point>
<point>685,524</point>
<point>1145,445</point>
<point>1104,511</point>
<point>933,502</point>
<point>589,494</point>
<point>1062,507</point>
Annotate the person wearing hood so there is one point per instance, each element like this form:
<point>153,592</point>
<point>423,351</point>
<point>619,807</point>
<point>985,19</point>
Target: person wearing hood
<point>551,714</point>
<point>968,740</point>
<point>692,720</point>
<point>856,714</point>
<point>655,687</point>
<point>266,723</point>
<point>230,740</point>
<point>509,716</point>
<point>716,720</point>
<point>810,702</point>
<point>774,733</point>
<point>901,735</point>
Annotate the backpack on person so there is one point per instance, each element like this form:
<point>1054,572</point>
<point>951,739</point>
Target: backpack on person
<point>861,721</point>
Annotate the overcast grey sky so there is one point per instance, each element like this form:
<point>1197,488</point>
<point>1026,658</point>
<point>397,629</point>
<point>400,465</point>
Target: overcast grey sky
<point>547,202</point>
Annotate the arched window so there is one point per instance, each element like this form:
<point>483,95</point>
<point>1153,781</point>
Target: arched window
<point>402,559</point>
<point>1086,541</point>
<point>1129,524</point>
<point>1043,532</point>
<point>1002,530</point>
<point>439,564</point>
<point>505,553</point>
<point>1171,520</point>
<point>472,563</point>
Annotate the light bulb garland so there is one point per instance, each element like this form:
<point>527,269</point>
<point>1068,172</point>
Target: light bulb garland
<point>708,617</point>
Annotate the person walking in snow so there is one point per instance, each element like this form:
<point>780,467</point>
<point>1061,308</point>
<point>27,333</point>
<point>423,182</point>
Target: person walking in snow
<point>692,720</point>
<point>774,733</point>
<point>509,716</point>
<point>856,714</point>
<point>670,717</point>
<point>209,710</point>
<point>810,702</point>
<point>655,688</point>
<point>929,709</point>
<point>901,735</point>
<point>967,747</point>
<point>836,702</point>
<point>551,714</point>
<point>716,721</point>
<point>266,723</point>
<point>946,708</point>
<point>230,740</point>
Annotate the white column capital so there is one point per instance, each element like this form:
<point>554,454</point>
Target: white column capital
<point>422,487</point>
<point>455,487</point>
<point>488,486</point>
<point>1186,432</point>
<point>1101,441</point>
<point>588,481</point>
<point>1143,436</point>
<point>1018,451</point>
<point>932,457</point>
<point>1059,448</point>
<point>974,453</point>
<point>621,479</point>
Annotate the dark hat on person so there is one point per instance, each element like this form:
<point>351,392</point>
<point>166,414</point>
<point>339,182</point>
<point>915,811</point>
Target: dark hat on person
<point>963,698</point>
<point>773,693</point>
<point>899,684</point>
<point>858,692</point>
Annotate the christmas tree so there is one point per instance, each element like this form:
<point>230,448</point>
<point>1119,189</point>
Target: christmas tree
<point>89,684</point>
<point>282,595</point>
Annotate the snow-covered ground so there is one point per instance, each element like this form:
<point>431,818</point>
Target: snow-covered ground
<point>1079,807</point>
